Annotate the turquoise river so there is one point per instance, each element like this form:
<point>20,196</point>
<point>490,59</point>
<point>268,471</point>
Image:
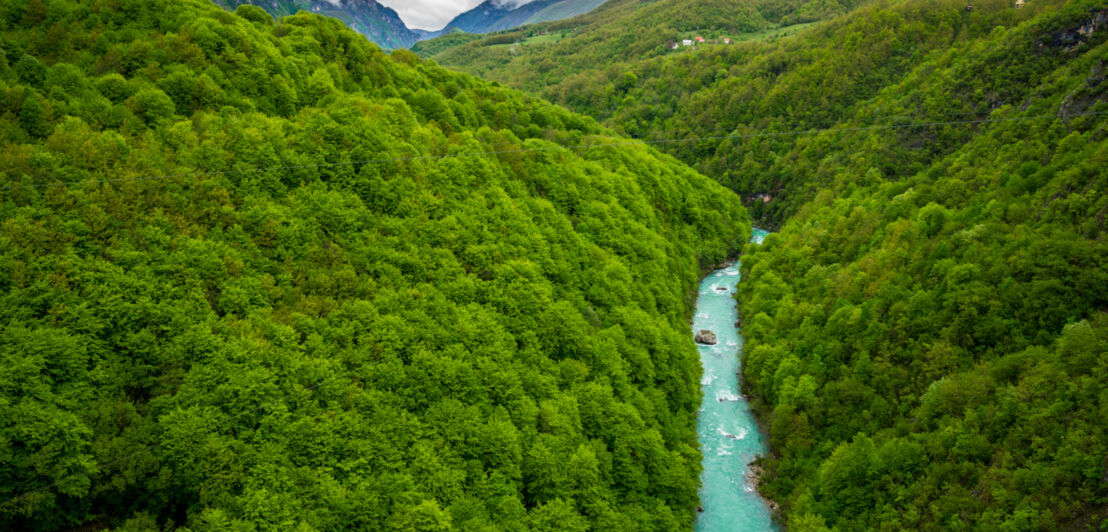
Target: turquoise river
<point>729,437</point>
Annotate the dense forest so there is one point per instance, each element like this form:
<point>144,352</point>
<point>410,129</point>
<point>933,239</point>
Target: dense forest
<point>260,275</point>
<point>595,42</point>
<point>927,333</point>
<point>927,338</point>
<point>380,24</point>
<point>257,274</point>
<point>741,112</point>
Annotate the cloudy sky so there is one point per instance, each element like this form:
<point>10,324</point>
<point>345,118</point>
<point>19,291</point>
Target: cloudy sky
<point>433,14</point>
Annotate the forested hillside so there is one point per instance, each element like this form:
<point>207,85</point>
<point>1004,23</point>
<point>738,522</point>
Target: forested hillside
<point>927,339</point>
<point>495,15</point>
<point>739,112</point>
<point>378,23</point>
<point>260,275</point>
<point>616,32</point>
<point>447,40</point>
<point>926,335</point>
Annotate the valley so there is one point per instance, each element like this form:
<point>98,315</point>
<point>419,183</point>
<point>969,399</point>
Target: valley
<point>260,273</point>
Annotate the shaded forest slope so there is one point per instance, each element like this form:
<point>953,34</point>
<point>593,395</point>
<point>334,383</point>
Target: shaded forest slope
<point>927,338</point>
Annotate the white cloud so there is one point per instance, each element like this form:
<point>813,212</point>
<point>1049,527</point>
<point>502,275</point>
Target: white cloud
<point>434,14</point>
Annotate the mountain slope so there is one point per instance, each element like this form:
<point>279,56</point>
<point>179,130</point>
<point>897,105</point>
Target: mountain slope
<point>728,110</point>
<point>925,333</point>
<point>606,36</point>
<point>259,275</point>
<point>495,15</point>
<point>378,23</point>
<point>564,9</point>
<point>492,15</point>
<point>450,39</point>
<point>926,342</point>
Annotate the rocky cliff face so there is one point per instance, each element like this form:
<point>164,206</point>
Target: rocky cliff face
<point>1072,38</point>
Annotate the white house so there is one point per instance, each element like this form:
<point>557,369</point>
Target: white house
<point>686,42</point>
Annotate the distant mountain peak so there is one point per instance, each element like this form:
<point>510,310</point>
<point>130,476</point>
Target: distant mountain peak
<point>497,15</point>
<point>382,25</point>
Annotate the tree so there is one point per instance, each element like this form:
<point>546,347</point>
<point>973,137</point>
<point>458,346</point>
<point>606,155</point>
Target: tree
<point>152,105</point>
<point>32,116</point>
<point>30,70</point>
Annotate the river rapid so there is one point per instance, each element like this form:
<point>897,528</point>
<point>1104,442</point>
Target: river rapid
<point>729,436</point>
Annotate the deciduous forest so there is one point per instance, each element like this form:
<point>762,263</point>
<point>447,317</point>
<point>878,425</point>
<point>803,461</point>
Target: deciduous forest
<point>259,275</point>
<point>926,333</point>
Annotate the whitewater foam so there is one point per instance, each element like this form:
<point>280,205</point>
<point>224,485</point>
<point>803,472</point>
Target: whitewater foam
<point>728,435</point>
<point>726,396</point>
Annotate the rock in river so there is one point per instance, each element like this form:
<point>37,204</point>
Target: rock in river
<point>705,337</point>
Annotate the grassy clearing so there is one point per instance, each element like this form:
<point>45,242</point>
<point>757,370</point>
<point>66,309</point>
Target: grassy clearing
<point>773,33</point>
<point>549,38</point>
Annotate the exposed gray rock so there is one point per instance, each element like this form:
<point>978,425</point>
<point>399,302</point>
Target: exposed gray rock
<point>1070,39</point>
<point>706,337</point>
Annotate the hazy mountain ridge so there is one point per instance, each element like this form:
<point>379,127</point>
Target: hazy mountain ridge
<point>384,27</point>
<point>495,15</point>
<point>565,9</point>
